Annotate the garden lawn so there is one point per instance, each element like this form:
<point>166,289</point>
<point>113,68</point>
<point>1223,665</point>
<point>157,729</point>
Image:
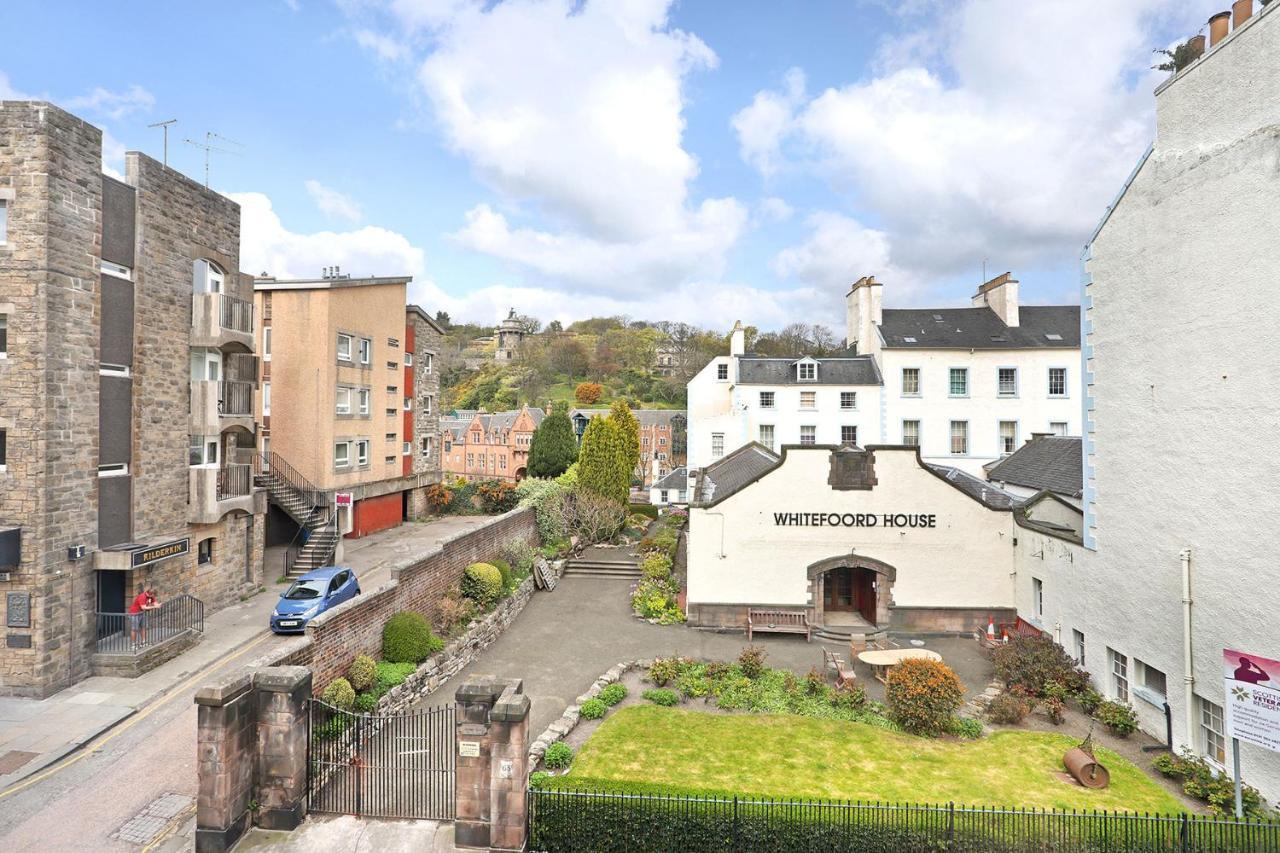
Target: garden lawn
<point>648,748</point>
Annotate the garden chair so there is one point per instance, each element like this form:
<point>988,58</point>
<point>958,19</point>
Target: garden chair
<point>843,671</point>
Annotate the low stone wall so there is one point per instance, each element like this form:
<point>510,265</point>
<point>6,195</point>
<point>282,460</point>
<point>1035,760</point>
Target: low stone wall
<point>335,638</point>
<point>132,666</point>
<point>569,719</point>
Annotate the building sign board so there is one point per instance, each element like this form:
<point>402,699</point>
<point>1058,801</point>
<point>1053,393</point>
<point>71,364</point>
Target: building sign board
<point>18,610</point>
<point>1252,708</point>
<point>156,553</point>
<point>469,748</point>
<point>342,499</point>
<point>855,519</point>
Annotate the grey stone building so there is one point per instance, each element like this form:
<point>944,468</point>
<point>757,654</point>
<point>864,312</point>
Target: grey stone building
<point>127,382</point>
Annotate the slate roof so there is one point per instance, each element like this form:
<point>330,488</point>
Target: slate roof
<point>734,472</point>
<point>1052,462</point>
<point>677,480</point>
<point>455,426</point>
<point>981,328</point>
<point>646,417</point>
<point>987,494</point>
<point>503,421</point>
<point>859,370</point>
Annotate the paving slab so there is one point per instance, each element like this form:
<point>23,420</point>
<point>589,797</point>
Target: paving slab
<point>353,835</point>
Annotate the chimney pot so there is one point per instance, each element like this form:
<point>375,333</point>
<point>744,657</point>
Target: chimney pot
<point>1196,45</point>
<point>1241,11</point>
<point>1219,25</point>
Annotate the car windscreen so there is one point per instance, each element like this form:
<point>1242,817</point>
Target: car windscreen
<point>303,590</point>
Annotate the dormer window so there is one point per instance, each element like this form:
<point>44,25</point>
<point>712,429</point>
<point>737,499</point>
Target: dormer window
<point>807,370</point>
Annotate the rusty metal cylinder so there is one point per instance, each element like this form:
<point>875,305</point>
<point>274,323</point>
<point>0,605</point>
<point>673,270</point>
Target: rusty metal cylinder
<point>1085,769</point>
<point>1219,26</point>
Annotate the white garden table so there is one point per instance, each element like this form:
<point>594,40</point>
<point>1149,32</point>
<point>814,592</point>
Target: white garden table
<point>881,659</point>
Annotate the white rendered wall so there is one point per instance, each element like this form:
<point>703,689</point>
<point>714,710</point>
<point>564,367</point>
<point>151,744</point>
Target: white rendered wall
<point>737,554</point>
<point>1184,306</point>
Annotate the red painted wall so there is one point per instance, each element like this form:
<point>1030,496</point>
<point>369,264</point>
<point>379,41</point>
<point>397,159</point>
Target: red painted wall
<point>374,514</point>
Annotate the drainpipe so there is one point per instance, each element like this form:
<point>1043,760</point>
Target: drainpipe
<point>1188,673</point>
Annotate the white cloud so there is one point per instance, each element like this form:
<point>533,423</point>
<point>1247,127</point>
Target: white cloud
<point>838,251</point>
<point>1008,151</point>
<point>773,209</point>
<point>8,92</point>
<point>293,5</point>
<point>384,47</point>
<point>333,203</point>
<point>113,151</point>
<point>115,105</point>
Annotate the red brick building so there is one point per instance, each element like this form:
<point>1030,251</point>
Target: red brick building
<point>488,446</point>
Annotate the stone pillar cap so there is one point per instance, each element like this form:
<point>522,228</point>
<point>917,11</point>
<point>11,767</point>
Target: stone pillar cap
<point>281,679</point>
<point>227,690</point>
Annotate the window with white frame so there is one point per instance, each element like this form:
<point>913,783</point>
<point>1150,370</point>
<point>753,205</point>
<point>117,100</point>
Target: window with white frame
<point>807,371</point>
<point>848,399</point>
<point>1037,597</point>
<point>266,398</point>
<point>1213,734</point>
<point>344,347</point>
<point>342,454</point>
<point>911,382</point>
<point>206,276</point>
<point>959,438</point>
<point>808,399</point>
<point>722,372</point>
<point>1008,381</point>
<point>407,449</point>
<point>808,434</point>
<point>408,359</point>
<point>1057,382</point>
<point>4,333</point>
<point>959,382</point>
<point>111,469</point>
<point>426,404</point>
<point>362,401</point>
<point>662,495</point>
<point>266,343</point>
<point>1008,436</point>
<point>362,452</point>
<point>408,404</point>
<point>848,434</point>
<point>424,362</point>
<point>911,433</point>
<point>203,450</point>
<point>1152,681</point>
<point>204,551</point>
<point>766,399</point>
<point>1077,637</point>
<point>766,435</point>
<point>427,445</point>
<point>343,401</point>
<point>1119,675</point>
<point>117,270</point>
<point>717,445</point>
<point>366,351</point>
<point>1058,427</point>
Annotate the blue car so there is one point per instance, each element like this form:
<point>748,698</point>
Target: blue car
<point>312,594</point>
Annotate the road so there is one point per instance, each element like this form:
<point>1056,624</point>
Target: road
<point>82,801</point>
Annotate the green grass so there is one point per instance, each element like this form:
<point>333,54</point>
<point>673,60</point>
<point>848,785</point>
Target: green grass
<point>654,749</point>
<point>563,392</point>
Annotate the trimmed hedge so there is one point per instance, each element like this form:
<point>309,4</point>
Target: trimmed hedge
<point>362,672</point>
<point>407,638</point>
<point>340,694</point>
<point>482,583</point>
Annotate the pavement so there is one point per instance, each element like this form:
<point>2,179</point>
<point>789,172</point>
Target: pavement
<point>35,734</point>
<point>353,835</point>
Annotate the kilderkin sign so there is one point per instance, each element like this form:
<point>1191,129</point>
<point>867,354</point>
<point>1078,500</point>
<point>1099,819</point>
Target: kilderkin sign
<point>156,553</point>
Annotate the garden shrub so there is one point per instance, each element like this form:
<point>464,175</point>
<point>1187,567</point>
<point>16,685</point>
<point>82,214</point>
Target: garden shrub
<point>595,518</point>
<point>569,479</point>
<point>1009,708</point>
<point>693,685</point>
<point>362,672</point>
<point>592,709</point>
<point>550,510</point>
<point>588,393</point>
<point>366,703</point>
<point>923,695</point>
<point>504,571</point>
<point>751,661</point>
<point>1054,708</point>
<point>965,727</point>
<point>657,600</point>
<point>439,498</point>
<point>407,638</point>
<point>649,511</point>
<point>661,696</point>
<point>1203,781</point>
<point>663,540</point>
<point>482,583</point>
<point>1033,662</point>
<point>340,694</point>
<point>453,611</point>
<point>520,556</point>
<point>656,567</point>
<point>612,694</point>
<point>1120,719</point>
<point>848,697</point>
<point>1089,700</point>
<point>558,756</point>
<point>663,671</point>
<point>497,497</point>
<point>815,682</point>
<point>716,670</point>
<point>391,675</point>
<point>332,728</point>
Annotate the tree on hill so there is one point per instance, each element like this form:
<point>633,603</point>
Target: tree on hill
<point>602,462</point>
<point>554,447</point>
<point>587,393</point>
<point>628,427</point>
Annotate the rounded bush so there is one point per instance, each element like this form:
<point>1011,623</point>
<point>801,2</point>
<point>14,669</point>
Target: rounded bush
<point>407,638</point>
<point>592,709</point>
<point>482,583</point>
<point>558,756</point>
<point>1119,718</point>
<point>751,661</point>
<point>366,703</point>
<point>504,570</point>
<point>661,696</point>
<point>612,694</point>
<point>340,694</point>
<point>923,695</point>
<point>656,566</point>
<point>362,672</point>
<point>1009,708</point>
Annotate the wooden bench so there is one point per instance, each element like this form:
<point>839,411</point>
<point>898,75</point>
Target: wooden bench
<point>779,622</point>
<point>844,672</point>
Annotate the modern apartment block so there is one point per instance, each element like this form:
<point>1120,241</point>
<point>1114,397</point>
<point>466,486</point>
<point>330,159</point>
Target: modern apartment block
<point>348,407</point>
<point>489,446</point>
<point>127,432</point>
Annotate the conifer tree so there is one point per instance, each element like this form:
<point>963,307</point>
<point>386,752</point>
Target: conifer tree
<point>554,446</point>
<point>602,462</point>
<point>629,431</point>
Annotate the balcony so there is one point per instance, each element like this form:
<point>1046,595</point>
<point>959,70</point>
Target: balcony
<point>218,319</point>
<point>216,406</point>
<point>130,644</point>
<point>219,489</point>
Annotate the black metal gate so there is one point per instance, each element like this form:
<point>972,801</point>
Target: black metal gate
<point>398,765</point>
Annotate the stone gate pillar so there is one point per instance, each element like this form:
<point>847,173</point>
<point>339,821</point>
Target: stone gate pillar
<point>492,728</point>
<point>282,693</point>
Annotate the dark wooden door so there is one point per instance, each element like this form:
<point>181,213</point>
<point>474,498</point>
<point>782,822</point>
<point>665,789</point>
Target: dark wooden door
<point>838,590</point>
<point>864,593</point>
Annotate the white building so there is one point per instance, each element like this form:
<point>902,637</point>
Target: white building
<point>671,490</point>
<point>966,385</point>
<point>1051,463</point>
<point>1182,476</point>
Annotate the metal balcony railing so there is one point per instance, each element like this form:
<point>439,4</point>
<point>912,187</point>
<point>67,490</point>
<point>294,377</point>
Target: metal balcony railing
<point>234,481</point>
<point>236,314</point>
<point>130,633</point>
<point>235,399</point>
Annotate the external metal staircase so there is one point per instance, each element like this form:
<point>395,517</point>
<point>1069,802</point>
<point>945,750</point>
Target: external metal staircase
<point>312,508</point>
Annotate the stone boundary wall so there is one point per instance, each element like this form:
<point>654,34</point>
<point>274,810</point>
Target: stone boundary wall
<point>569,719</point>
<point>336,637</point>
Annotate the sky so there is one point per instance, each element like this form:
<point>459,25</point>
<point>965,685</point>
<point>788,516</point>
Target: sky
<point>704,160</point>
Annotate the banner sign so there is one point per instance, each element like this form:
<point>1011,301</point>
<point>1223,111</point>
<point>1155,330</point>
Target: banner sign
<point>342,499</point>
<point>156,553</point>
<point>1252,707</point>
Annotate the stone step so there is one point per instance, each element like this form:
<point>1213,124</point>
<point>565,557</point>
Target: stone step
<point>603,570</point>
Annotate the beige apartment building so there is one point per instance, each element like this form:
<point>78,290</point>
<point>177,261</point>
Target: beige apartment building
<point>347,407</point>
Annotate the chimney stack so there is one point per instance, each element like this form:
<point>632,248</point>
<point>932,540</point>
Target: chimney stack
<point>738,340</point>
<point>1001,296</point>
<point>1241,11</point>
<point>1196,45</point>
<point>863,312</point>
<point>1219,26</point>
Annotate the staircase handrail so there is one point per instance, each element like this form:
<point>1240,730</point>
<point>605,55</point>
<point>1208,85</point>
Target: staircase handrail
<point>273,463</point>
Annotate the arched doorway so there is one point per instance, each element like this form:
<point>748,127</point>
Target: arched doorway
<point>850,590</point>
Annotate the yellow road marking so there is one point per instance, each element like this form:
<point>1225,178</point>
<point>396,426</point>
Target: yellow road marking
<point>92,746</point>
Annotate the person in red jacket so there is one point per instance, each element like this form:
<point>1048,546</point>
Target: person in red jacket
<point>144,601</point>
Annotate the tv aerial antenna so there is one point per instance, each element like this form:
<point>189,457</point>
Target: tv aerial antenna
<point>208,147</point>
<point>164,125</point>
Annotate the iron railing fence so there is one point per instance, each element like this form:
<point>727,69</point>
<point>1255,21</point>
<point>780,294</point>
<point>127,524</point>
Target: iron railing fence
<point>130,633</point>
<point>234,481</point>
<point>586,820</point>
<point>235,314</point>
<point>235,398</point>
<point>310,506</point>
